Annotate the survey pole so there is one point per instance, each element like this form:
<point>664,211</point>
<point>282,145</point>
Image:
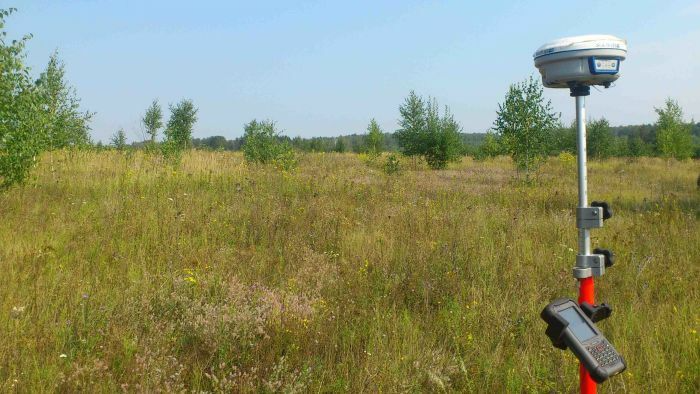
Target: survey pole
<point>584,234</point>
<point>585,285</point>
<point>577,63</point>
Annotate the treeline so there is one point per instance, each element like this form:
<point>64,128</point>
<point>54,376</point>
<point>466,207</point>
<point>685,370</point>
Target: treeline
<point>604,140</point>
<point>631,140</point>
<point>356,143</point>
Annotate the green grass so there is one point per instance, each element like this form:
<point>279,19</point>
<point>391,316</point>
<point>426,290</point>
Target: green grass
<point>218,276</point>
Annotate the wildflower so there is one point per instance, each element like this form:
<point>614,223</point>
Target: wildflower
<point>17,312</point>
<point>63,355</point>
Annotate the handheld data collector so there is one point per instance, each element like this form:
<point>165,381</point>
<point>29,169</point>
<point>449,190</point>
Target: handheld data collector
<point>568,326</point>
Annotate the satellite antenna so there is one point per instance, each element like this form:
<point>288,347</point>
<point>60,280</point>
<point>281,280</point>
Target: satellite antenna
<point>577,63</point>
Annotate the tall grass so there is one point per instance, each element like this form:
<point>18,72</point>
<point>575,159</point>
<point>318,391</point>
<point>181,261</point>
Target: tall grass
<point>121,273</point>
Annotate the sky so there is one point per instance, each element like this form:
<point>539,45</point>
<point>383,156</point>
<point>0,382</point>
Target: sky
<point>325,68</point>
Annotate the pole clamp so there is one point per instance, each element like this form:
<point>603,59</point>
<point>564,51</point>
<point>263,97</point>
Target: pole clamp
<point>596,312</point>
<point>607,212</point>
<point>589,217</point>
<point>607,254</point>
<point>588,265</point>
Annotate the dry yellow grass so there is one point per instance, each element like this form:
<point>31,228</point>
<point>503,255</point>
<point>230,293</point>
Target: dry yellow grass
<point>119,272</point>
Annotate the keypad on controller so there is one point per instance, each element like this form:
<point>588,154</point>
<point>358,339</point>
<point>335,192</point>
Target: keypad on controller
<point>604,353</point>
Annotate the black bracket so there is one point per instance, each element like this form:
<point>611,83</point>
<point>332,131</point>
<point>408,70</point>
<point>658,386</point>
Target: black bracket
<point>596,312</point>
<point>608,254</point>
<point>607,212</point>
<point>579,90</point>
<point>555,326</point>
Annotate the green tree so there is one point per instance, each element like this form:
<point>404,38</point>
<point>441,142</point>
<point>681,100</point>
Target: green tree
<point>524,124</point>
<point>357,145</point>
<point>637,147</point>
<point>563,139</point>
<point>340,145</point>
<point>412,126</point>
<point>600,142</point>
<point>443,144</point>
<point>21,140</point>
<point>262,144</point>
<point>178,132</point>
<point>64,124</point>
<point>491,147</point>
<point>316,145</point>
<point>673,138</point>
<point>153,120</point>
<point>392,164</point>
<point>118,140</point>
<point>423,132</point>
<point>620,147</point>
<point>375,139</point>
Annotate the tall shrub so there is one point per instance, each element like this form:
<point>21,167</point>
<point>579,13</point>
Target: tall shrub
<point>178,132</point>
<point>600,142</point>
<point>262,144</point>
<point>673,137</point>
<point>524,123</point>
<point>424,132</point>
<point>153,120</point>
<point>21,139</point>
<point>65,125</point>
<point>375,139</point>
<point>118,140</point>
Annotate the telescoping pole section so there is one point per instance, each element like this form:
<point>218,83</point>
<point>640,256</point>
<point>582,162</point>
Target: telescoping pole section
<point>586,294</point>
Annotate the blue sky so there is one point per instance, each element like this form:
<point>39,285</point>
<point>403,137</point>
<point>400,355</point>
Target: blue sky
<point>323,68</point>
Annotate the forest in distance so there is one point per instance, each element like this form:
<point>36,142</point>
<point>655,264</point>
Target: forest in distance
<point>355,142</point>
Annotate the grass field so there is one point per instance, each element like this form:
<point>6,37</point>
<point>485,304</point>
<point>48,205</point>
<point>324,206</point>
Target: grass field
<point>120,273</point>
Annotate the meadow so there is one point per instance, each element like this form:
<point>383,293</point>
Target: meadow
<point>120,272</point>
